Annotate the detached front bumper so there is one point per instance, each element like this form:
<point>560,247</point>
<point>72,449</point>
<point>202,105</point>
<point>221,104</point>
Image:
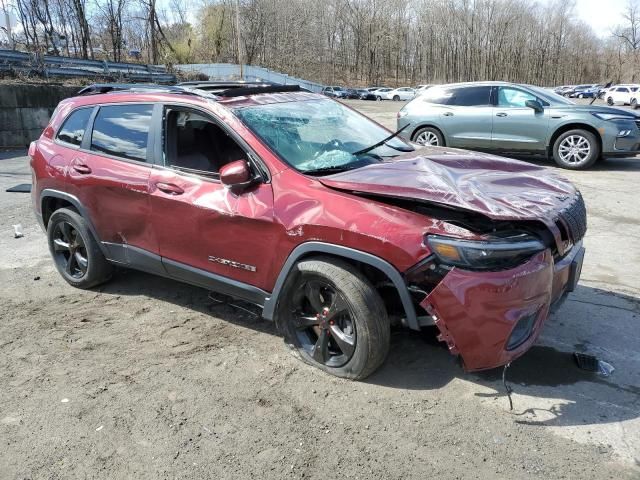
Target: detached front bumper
<point>492,318</point>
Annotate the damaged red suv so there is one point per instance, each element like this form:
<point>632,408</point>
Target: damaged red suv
<point>335,227</point>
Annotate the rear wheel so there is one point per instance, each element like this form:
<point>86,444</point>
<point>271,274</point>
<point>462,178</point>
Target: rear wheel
<point>334,319</point>
<point>74,250</point>
<point>396,98</point>
<point>576,149</point>
<point>429,136</point>
<point>378,98</point>
<point>609,101</point>
<point>634,103</point>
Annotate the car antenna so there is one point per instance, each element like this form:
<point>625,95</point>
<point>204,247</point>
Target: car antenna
<point>506,386</point>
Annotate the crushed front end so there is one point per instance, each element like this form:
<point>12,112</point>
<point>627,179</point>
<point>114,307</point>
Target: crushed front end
<point>489,299</point>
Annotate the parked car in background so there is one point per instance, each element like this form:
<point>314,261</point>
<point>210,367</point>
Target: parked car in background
<point>365,94</point>
<point>398,94</point>
<point>421,88</point>
<point>506,117</point>
<point>563,90</point>
<point>584,91</point>
<point>381,93</point>
<point>352,93</point>
<point>621,94</point>
<point>333,228</point>
<point>335,92</point>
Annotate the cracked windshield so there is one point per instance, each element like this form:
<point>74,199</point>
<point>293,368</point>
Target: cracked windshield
<point>320,136</point>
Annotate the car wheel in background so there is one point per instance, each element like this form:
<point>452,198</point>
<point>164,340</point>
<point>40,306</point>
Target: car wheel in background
<point>74,250</point>
<point>634,103</point>
<point>378,98</point>
<point>576,149</point>
<point>429,136</point>
<point>609,101</point>
<point>396,98</point>
<point>581,96</point>
<point>334,318</point>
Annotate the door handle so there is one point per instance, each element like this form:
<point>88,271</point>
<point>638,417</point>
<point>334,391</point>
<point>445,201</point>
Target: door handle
<point>82,168</point>
<point>501,114</point>
<point>447,114</point>
<point>169,188</point>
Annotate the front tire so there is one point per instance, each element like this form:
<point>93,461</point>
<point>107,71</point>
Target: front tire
<point>378,98</point>
<point>75,252</point>
<point>576,149</point>
<point>634,103</point>
<point>396,98</point>
<point>610,101</point>
<point>334,319</point>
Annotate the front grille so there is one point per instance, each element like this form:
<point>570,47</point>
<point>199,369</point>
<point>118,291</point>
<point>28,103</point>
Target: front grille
<point>574,218</point>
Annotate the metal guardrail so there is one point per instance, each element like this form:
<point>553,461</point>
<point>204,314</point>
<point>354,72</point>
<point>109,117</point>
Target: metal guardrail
<point>56,66</point>
<point>228,71</point>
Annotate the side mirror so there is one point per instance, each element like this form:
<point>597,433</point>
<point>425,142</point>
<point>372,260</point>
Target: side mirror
<point>236,175</point>
<point>535,105</point>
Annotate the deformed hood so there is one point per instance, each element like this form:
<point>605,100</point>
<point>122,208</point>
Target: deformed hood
<point>499,188</point>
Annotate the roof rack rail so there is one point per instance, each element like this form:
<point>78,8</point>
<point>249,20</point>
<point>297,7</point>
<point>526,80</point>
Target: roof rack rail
<point>98,88</point>
<point>241,92</point>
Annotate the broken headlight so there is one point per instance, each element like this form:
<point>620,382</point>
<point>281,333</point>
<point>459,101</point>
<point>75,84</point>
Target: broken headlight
<point>495,254</point>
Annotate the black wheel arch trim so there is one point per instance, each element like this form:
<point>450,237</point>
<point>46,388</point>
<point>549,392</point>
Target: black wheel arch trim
<point>308,248</point>
<point>73,200</point>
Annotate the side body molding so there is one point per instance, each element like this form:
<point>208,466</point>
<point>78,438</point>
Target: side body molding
<point>349,253</point>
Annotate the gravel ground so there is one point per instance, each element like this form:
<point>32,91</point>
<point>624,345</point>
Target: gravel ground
<point>149,378</point>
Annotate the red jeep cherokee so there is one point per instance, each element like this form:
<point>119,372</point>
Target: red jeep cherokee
<point>312,211</point>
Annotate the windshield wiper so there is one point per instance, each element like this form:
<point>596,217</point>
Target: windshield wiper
<point>332,169</point>
<point>383,141</point>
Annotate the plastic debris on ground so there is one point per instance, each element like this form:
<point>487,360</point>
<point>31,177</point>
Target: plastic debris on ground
<point>17,231</point>
<point>591,363</point>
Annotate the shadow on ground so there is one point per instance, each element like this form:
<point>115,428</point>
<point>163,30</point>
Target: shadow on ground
<point>417,361</point>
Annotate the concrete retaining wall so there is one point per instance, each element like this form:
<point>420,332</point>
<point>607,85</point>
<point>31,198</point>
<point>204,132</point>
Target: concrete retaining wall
<point>25,111</point>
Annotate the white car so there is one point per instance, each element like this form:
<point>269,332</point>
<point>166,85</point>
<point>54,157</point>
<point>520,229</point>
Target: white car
<point>381,93</point>
<point>402,93</point>
<point>621,94</point>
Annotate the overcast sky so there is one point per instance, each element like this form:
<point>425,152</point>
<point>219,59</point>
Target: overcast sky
<point>602,15</point>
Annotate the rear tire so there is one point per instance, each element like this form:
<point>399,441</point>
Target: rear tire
<point>334,319</point>
<point>378,98</point>
<point>610,101</point>
<point>396,98</point>
<point>429,136</point>
<point>634,103</point>
<point>75,252</point>
<point>576,149</point>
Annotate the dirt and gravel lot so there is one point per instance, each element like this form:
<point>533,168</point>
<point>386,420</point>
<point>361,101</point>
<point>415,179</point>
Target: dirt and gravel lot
<point>149,378</point>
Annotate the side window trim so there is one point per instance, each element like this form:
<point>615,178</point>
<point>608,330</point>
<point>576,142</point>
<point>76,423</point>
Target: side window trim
<point>88,133</point>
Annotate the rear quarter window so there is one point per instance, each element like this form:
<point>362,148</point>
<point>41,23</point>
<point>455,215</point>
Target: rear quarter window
<point>73,128</point>
<point>122,131</point>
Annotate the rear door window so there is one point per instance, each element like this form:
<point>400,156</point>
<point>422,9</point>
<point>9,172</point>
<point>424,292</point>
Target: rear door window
<point>471,97</point>
<point>74,126</point>
<point>122,131</point>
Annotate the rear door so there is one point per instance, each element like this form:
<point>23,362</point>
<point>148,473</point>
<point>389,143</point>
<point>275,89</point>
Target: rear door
<point>467,118</point>
<point>110,177</point>
<point>517,127</point>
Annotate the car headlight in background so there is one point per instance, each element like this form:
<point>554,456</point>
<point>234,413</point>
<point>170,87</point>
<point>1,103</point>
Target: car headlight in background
<point>614,116</point>
<point>498,254</point>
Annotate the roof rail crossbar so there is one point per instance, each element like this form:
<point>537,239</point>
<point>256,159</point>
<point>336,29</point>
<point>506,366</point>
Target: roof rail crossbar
<point>98,88</point>
<point>241,92</point>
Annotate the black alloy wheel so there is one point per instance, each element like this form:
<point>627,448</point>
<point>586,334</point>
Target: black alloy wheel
<point>69,250</point>
<point>323,324</point>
